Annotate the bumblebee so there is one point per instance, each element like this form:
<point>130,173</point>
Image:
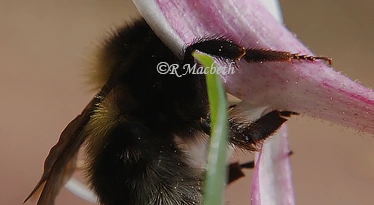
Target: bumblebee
<point>137,129</point>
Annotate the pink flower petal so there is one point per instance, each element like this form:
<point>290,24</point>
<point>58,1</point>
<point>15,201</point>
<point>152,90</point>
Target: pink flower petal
<point>272,178</point>
<point>312,88</point>
<point>272,181</point>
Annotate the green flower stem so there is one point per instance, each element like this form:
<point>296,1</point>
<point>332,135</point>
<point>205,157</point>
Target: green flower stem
<point>216,176</point>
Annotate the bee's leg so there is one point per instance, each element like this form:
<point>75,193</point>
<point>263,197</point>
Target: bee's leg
<point>247,135</point>
<point>227,49</point>
<point>236,170</point>
<point>248,165</point>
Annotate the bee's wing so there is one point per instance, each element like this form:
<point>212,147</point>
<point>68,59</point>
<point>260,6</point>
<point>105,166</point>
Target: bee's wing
<point>61,160</point>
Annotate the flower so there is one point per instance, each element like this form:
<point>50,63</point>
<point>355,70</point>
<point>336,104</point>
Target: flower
<point>308,87</point>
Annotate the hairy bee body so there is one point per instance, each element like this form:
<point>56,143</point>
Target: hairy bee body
<point>133,155</point>
<point>139,128</point>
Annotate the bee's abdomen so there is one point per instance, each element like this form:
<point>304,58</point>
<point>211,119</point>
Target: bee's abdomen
<point>135,168</point>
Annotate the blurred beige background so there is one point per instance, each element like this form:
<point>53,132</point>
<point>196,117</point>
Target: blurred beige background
<point>45,45</point>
